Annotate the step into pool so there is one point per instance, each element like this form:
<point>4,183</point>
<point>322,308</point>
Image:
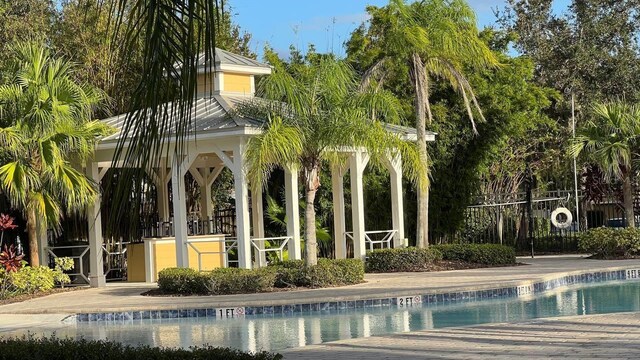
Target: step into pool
<point>276,332</point>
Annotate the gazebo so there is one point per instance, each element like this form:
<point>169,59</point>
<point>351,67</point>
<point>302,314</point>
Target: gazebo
<point>221,141</point>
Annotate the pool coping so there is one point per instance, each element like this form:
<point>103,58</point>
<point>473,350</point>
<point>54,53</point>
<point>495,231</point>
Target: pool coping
<point>452,295</point>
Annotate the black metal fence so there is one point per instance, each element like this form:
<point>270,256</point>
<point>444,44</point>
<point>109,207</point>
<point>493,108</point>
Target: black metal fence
<point>525,220</point>
<point>222,222</point>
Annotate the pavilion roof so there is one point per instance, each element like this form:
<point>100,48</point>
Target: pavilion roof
<point>210,114</point>
<point>215,114</point>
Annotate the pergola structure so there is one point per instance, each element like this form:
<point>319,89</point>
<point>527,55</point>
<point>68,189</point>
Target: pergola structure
<point>221,141</point>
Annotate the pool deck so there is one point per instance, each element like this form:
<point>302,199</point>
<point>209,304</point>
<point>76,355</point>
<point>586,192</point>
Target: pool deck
<point>126,296</point>
<point>608,336</point>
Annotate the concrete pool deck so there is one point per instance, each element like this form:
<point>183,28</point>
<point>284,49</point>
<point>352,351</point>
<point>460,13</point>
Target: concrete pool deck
<point>126,296</point>
<point>607,336</point>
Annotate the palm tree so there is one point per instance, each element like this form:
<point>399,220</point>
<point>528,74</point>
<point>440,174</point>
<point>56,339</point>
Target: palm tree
<point>610,140</point>
<point>318,110</point>
<point>170,36</point>
<point>46,133</point>
<point>437,39</point>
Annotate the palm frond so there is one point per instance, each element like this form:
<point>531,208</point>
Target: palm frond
<point>174,35</point>
<point>279,144</point>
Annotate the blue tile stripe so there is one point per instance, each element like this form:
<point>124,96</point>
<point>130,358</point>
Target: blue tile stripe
<point>430,299</point>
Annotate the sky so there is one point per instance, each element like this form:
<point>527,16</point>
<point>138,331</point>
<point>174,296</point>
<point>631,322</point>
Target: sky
<point>325,23</point>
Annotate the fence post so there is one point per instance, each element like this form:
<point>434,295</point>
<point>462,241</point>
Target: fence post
<point>529,186</point>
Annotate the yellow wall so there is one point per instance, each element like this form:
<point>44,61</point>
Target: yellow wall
<point>135,263</point>
<point>165,257</point>
<point>205,83</point>
<point>240,83</point>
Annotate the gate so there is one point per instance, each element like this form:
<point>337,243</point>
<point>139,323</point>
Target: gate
<point>522,220</point>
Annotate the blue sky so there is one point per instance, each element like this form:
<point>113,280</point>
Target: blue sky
<point>300,22</point>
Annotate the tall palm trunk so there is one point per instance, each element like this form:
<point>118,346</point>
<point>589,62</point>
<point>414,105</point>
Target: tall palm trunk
<point>32,229</point>
<point>310,241</point>
<point>422,109</point>
<point>627,194</point>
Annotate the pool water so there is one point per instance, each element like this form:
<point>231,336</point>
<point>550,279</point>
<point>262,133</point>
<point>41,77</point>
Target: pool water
<point>269,332</point>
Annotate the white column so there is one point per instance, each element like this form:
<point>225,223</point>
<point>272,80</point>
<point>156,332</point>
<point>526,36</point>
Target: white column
<point>257,220</point>
<point>394,165</point>
<point>179,212</point>
<point>339,220</point>
<point>96,267</point>
<point>242,206</point>
<point>163,194</point>
<point>293,212</point>
<point>358,162</point>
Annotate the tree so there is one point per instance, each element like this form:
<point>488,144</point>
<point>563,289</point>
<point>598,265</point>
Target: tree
<point>82,33</point>
<point>591,49</point>
<point>20,20</point>
<point>436,39</point>
<point>322,112</point>
<point>47,130</point>
<point>610,140</point>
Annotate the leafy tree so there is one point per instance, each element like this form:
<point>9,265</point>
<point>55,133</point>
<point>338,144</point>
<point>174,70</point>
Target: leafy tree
<point>323,112</point>
<point>47,130</point>
<point>82,34</point>
<point>20,20</point>
<point>610,140</point>
<point>591,49</point>
<point>517,135</point>
<point>436,39</point>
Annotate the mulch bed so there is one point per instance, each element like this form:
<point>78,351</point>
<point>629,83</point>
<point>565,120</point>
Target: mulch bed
<point>448,265</point>
<point>444,265</point>
<point>25,297</point>
<point>613,257</point>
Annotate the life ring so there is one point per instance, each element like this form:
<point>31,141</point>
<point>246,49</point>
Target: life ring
<point>561,224</point>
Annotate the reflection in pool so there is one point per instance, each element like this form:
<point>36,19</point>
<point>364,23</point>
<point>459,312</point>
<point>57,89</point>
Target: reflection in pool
<point>269,332</point>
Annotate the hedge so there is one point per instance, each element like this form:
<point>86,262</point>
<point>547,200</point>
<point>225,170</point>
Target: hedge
<point>184,281</point>
<point>286,274</point>
<point>402,259</point>
<point>328,272</point>
<point>484,254</point>
<point>63,349</point>
<point>610,243</point>
<point>226,281</point>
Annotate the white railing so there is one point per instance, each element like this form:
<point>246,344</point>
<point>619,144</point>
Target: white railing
<point>116,258</point>
<point>373,238</point>
<point>227,245</point>
<point>276,244</point>
<point>78,266</point>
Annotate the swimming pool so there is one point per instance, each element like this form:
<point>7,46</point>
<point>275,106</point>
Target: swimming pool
<point>276,332</point>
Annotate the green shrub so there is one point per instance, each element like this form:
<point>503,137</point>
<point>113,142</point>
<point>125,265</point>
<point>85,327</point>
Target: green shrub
<point>62,264</point>
<point>286,274</point>
<point>183,281</point>
<point>290,273</point>
<point>402,259</point>
<point>240,281</point>
<point>610,242</point>
<point>351,271</point>
<point>30,280</point>
<point>328,272</point>
<point>338,272</point>
<point>58,349</point>
<point>485,254</point>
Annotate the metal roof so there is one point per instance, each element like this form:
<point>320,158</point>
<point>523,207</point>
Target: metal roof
<point>210,114</point>
<point>215,114</point>
<point>224,57</point>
